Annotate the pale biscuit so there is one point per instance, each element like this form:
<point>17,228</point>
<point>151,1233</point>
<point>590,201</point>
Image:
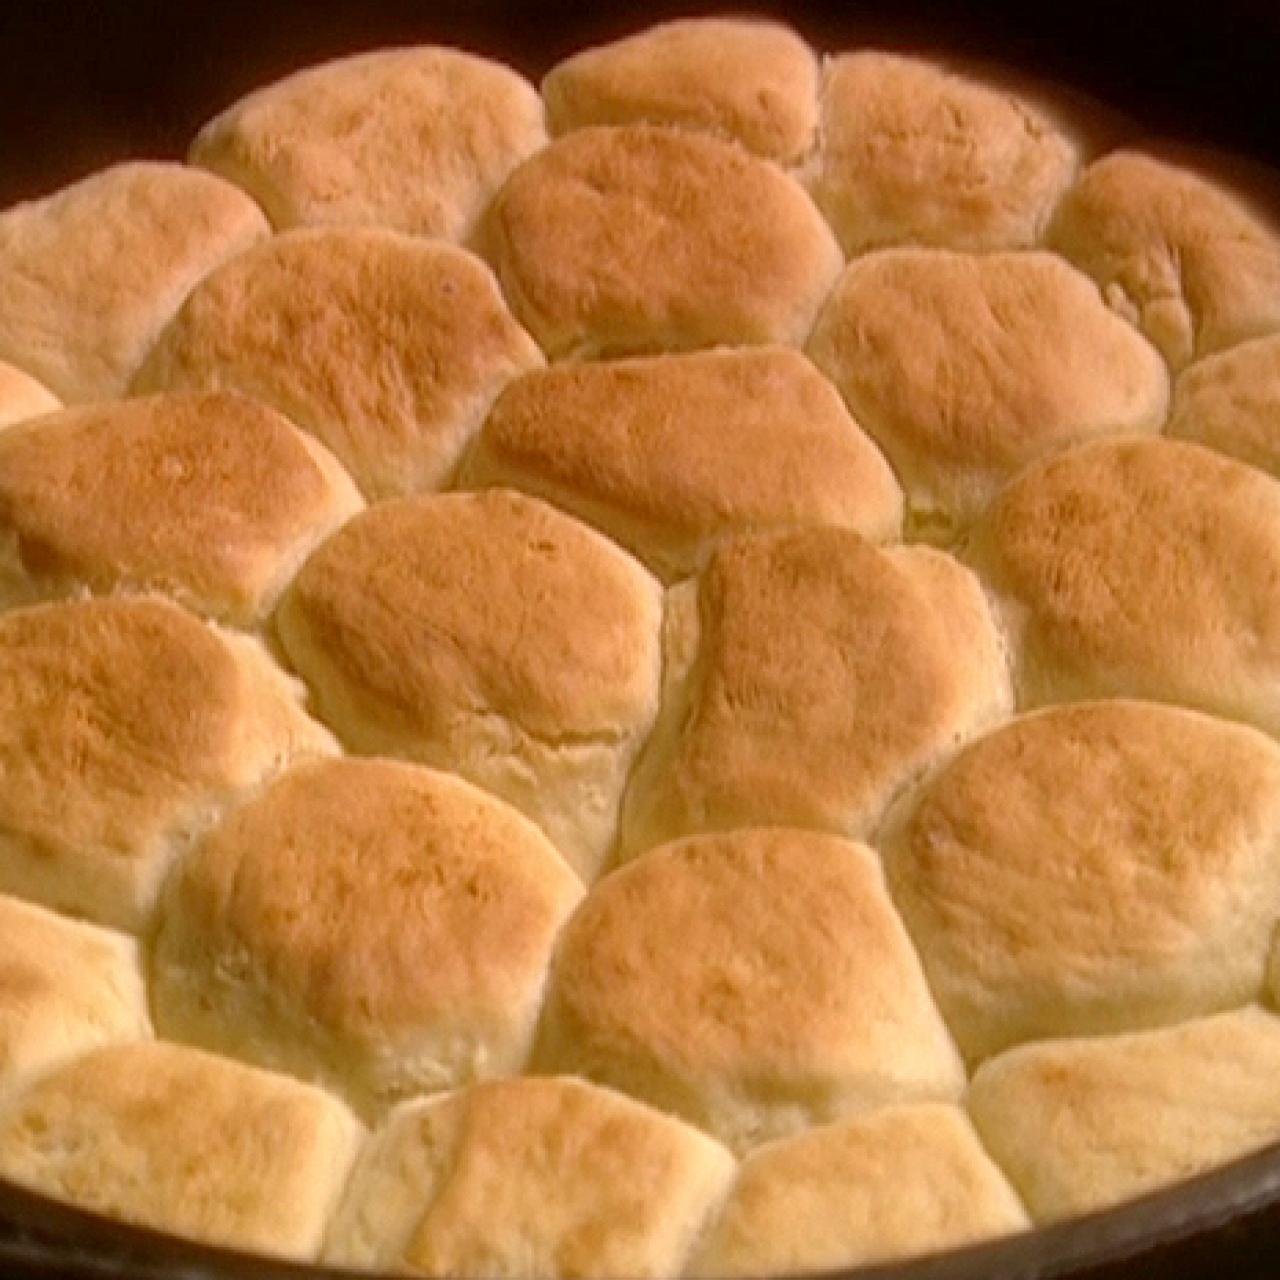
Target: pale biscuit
<point>1140,568</point>
<point>1080,1125</point>
<point>966,367</point>
<point>643,238</point>
<point>414,139</point>
<point>21,396</point>
<point>1187,261</point>
<point>388,348</point>
<point>126,727</point>
<point>90,275</point>
<point>894,1183</point>
<point>183,1142</point>
<point>65,988</point>
<point>212,499</point>
<point>1231,402</point>
<point>372,926</point>
<point>1071,874</point>
<point>532,1177</point>
<point>750,81</point>
<point>488,634</point>
<point>754,983</point>
<point>669,454</point>
<point>808,677</point>
<point>913,153</point>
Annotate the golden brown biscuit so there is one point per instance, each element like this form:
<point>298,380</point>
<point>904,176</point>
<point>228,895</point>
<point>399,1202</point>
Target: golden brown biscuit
<point>1140,568</point>
<point>754,983</point>
<point>669,454</point>
<point>65,988</point>
<point>183,1142</point>
<point>966,367</point>
<point>750,81</point>
<point>1231,402</point>
<point>912,153</point>
<point>640,238</point>
<point>1188,262</point>
<point>387,348</point>
<point>376,927</point>
<point>21,396</point>
<point>488,634</point>
<point>126,727</point>
<point>211,498</point>
<point>1080,1125</point>
<point>533,1177</point>
<point>809,676</point>
<point>413,139</point>
<point>1070,874</point>
<point>90,275</point>
<point>890,1184</point>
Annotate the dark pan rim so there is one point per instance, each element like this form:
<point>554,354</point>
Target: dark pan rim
<point>41,1237</point>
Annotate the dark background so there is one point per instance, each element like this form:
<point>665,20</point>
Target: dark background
<point>82,84</point>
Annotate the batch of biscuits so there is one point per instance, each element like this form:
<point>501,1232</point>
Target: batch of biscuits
<point>675,673</point>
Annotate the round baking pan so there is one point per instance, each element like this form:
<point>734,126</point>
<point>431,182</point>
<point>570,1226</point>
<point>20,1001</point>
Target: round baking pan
<point>86,84</point>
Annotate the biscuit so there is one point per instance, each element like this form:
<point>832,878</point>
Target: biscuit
<point>532,1177</point>
<point>90,275</point>
<point>21,396</point>
<point>870,665</point>
<point>1140,568</point>
<point>126,727</point>
<point>417,140</point>
<point>753,82</point>
<point>913,153</point>
<point>890,1184</point>
<point>211,498</point>
<point>183,1142</point>
<point>1069,874</point>
<point>488,634</point>
<point>669,454</point>
<point>753,983</point>
<point>372,926</point>
<point>964,368</point>
<point>65,988</point>
<point>639,238</point>
<point>1080,1125</point>
<point>387,348</point>
<point>1231,402</point>
<point>1187,261</point>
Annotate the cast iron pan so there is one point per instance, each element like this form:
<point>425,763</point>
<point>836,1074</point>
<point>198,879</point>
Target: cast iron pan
<point>86,84</point>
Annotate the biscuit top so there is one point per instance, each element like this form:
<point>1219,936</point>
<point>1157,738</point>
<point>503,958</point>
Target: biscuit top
<point>1079,1125</point>
<point>1069,874</point>
<point>21,396</point>
<point>750,81</point>
<point>208,497</point>
<point>371,906</point>
<point>1231,402</point>
<point>180,1141</point>
<point>89,276</point>
<point>64,987</point>
<point>388,348</point>
<point>413,139</point>
<point>482,603</point>
<point>1187,261</point>
<point>792,983</point>
<point>631,239</point>
<point>914,153</point>
<point>530,1177</point>
<point>866,663</point>
<point>966,367</point>
<point>1143,568</point>
<point>670,453</point>
<point>895,1182</point>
